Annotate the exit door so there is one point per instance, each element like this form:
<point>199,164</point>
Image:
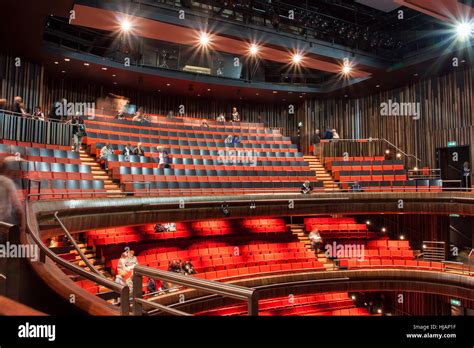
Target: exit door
<point>450,160</point>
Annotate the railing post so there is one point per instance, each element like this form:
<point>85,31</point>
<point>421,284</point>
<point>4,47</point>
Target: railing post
<point>253,304</point>
<point>137,281</point>
<point>125,301</point>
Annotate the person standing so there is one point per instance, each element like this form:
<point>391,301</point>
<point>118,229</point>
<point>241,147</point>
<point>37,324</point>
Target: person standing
<point>78,132</point>
<point>316,142</point>
<point>235,117</point>
<point>466,176</point>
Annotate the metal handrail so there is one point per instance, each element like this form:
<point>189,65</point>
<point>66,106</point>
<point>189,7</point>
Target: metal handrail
<point>45,251</point>
<point>74,243</point>
<point>371,140</point>
<point>223,289</point>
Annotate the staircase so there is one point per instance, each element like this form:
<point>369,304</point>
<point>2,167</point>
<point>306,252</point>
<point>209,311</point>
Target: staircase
<point>113,190</point>
<point>68,253</point>
<point>298,231</point>
<point>321,173</point>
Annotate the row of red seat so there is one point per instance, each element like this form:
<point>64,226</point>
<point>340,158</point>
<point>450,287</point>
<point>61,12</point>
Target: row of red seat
<point>279,303</point>
<point>40,146</point>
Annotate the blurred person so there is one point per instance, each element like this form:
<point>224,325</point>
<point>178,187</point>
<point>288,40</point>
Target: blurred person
<point>10,207</point>
<point>235,140</point>
<point>316,241</point>
<point>328,134</point>
<point>220,118</point>
<point>138,116</point>
<point>38,114</point>
<point>78,132</point>
<point>127,151</point>
<point>188,268</point>
<point>235,117</point>
<point>138,151</point>
<point>466,176</point>
<point>335,134</point>
<point>105,152</point>
<point>306,188</point>
<point>316,142</point>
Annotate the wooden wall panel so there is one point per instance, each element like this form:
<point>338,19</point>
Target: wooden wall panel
<point>446,104</point>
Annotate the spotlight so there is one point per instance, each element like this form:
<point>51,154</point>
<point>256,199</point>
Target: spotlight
<point>384,229</point>
<point>402,237</point>
<point>125,25</point>
<point>296,58</point>
<point>353,297</point>
<point>204,39</point>
<point>67,60</point>
<point>387,151</point>
<point>464,30</point>
<point>346,69</point>
<point>415,169</point>
<point>399,155</point>
<point>86,64</point>
<point>379,311</point>
<point>253,49</point>
<point>424,246</point>
<point>367,222</point>
<point>104,68</point>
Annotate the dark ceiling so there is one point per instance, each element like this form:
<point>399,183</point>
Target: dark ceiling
<point>342,18</point>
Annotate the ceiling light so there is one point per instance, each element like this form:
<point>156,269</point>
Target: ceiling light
<point>86,64</point>
<point>346,69</point>
<point>208,89</point>
<point>367,222</point>
<point>63,71</point>
<point>384,229</point>
<point>253,49</point>
<point>464,30</point>
<point>168,84</point>
<point>377,86</point>
<point>399,155</point>
<point>125,25</point>
<point>104,68</point>
<point>67,59</point>
<point>402,237</point>
<point>56,63</point>
<point>296,58</point>
<point>275,92</point>
<point>113,75</point>
<point>203,39</point>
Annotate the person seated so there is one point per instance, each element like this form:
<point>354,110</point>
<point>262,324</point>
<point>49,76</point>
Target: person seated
<point>188,268</point>
<point>328,134</point>
<point>316,241</point>
<point>235,117</point>
<point>105,152</point>
<point>127,151</point>
<point>160,228</point>
<point>204,124</point>
<point>235,140</point>
<point>164,159</point>
<point>138,116</point>
<point>335,134</point>
<point>306,188</point>
<point>151,286</point>
<point>138,151</point>
<point>356,187</point>
<point>229,139</point>
<point>175,266</point>
<point>220,118</point>
<point>120,115</point>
